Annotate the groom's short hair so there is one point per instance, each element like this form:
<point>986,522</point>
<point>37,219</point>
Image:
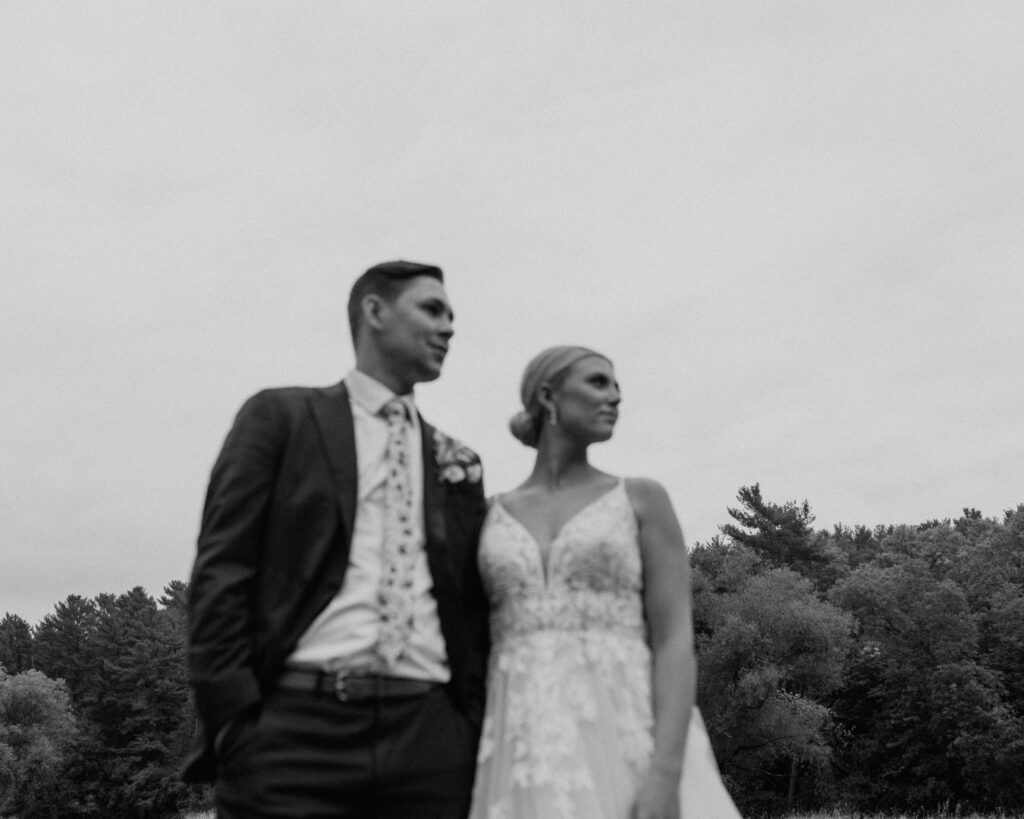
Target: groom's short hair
<point>386,280</point>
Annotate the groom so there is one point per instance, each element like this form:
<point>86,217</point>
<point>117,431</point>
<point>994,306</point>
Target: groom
<point>337,624</point>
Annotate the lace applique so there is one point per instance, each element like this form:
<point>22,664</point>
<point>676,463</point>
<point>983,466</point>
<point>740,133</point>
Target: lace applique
<point>569,657</point>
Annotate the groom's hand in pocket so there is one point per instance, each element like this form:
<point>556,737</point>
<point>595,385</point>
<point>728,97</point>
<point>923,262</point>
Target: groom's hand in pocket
<point>231,731</point>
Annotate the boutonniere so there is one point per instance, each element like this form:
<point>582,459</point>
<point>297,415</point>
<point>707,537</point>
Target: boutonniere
<point>455,462</point>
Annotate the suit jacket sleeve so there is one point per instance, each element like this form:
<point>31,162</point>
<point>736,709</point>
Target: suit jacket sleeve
<point>222,601</point>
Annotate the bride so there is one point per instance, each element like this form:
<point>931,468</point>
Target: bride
<point>592,674</point>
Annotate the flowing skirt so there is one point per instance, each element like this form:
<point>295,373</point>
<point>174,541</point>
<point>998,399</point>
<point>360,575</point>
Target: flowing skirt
<point>567,735</point>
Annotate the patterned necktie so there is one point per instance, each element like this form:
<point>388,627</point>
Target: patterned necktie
<point>399,552</point>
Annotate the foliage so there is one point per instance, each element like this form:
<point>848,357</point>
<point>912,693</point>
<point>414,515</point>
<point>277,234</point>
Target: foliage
<point>36,727</point>
<point>779,534</point>
<point>930,716</point>
<point>877,668</point>
<point>925,708</point>
<point>770,654</point>
<point>15,644</point>
<point>122,659</point>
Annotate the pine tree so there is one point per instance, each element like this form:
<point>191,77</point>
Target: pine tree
<point>15,644</point>
<point>780,535</point>
<point>62,645</point>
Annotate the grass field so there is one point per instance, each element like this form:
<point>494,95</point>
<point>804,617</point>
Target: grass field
<point>827,815</point>
<point>838,815</point>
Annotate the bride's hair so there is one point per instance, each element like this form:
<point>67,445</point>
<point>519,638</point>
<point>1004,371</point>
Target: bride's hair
<point>550,367</point>
<point>525,428</point>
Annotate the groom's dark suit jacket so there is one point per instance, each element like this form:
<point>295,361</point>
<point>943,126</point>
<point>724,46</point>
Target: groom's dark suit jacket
<point>274,545</point>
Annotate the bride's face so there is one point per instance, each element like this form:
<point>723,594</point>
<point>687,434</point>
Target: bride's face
<point>587,400</point>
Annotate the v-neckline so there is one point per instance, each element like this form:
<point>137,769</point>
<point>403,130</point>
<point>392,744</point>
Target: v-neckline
<point>544,556</point>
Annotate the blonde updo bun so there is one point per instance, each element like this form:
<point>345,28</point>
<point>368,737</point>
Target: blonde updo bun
<point>547,367</point>
<point>525,428</point>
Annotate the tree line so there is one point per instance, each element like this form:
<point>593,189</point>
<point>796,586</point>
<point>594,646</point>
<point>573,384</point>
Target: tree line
<point>95,714</point>
<point>880,669</point>
<point>876,668</point>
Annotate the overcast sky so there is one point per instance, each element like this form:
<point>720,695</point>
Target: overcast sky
<point>797,229</point>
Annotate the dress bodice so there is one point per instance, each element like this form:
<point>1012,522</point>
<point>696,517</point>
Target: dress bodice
<point>591,580</point>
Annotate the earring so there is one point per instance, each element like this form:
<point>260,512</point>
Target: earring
<point>554,417</point>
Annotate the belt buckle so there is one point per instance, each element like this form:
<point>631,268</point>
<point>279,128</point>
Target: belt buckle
<point>341,681</point>
<point>340,690</point>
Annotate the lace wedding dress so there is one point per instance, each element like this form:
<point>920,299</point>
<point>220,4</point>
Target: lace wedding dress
<point>567,732</point>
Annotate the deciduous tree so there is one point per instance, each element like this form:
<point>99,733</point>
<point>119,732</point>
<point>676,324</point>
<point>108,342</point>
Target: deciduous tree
<point>770,653</point>
<point>36,728</point>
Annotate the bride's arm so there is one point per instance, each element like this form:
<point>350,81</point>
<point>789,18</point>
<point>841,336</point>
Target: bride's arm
<point>667,606</point>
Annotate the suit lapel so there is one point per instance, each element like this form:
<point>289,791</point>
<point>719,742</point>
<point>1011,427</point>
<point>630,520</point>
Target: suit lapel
<point>433,508</point>
<point>333,415</point>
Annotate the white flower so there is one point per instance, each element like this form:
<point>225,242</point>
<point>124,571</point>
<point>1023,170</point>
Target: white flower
<point>456,462</point>
<point>453,473</point>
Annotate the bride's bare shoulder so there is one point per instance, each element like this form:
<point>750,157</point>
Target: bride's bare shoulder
<point>505,498</point>
<point>645,491</point>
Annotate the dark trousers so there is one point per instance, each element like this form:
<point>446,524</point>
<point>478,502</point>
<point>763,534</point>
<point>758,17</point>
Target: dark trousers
<point>310,755</point>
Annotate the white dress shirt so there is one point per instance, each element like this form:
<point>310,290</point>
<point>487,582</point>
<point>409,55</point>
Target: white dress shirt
<point>344,634</point>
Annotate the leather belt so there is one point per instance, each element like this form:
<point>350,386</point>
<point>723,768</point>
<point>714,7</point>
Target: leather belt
<point>349,686</point>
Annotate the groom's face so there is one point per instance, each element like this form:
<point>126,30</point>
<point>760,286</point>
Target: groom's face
<point>416,328</point>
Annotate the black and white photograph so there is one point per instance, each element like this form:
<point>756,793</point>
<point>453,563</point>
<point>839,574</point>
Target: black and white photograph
<point>541,410</point>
